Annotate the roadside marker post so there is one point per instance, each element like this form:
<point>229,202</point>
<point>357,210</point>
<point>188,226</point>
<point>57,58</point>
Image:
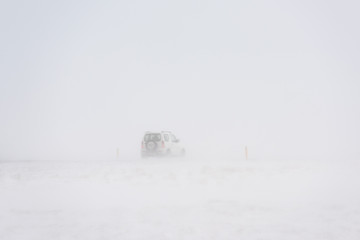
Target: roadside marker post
<point>246,153</point>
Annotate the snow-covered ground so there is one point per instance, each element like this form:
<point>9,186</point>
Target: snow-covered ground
<point>179,199</point>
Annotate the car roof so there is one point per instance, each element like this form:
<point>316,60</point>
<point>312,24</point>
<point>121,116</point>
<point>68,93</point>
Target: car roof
<point>148,132</point>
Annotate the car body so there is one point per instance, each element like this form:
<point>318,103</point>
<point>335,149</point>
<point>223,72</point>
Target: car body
<point>162,143</point>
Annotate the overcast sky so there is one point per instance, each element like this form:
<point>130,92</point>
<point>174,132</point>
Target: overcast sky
<point>79,79</point>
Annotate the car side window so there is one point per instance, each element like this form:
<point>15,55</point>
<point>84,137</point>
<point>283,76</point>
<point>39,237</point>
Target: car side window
<point>166,137</point>
<point>173,138</point>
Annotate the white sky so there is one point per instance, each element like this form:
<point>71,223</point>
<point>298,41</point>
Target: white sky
<point>80,78</point>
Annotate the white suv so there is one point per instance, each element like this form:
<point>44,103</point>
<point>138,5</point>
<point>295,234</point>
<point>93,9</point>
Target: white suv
<point>161,144</point>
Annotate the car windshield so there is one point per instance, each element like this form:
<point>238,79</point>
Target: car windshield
<point>152,137</point>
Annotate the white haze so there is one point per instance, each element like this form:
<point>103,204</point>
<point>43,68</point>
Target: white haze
<point>80,79</point>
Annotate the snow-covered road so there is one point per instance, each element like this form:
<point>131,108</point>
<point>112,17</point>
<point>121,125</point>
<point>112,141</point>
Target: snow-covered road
<point>179,199</point>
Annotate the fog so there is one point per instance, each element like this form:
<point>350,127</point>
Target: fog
<point>81,79</point>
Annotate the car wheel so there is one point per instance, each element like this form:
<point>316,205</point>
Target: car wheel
<point>168,153</point>
<point>183,152</point>
<point>151,146</point>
